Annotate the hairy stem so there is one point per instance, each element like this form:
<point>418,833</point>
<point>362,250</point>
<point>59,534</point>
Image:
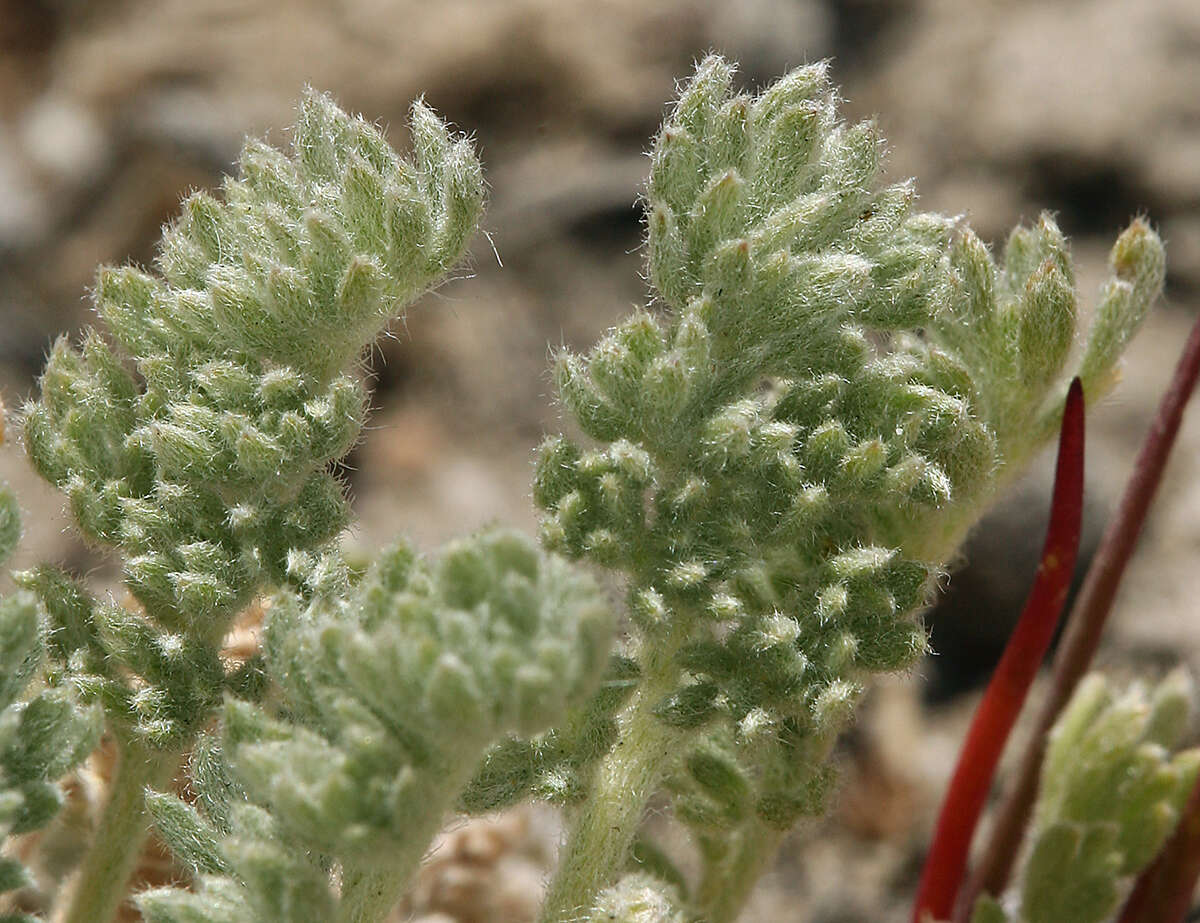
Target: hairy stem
<point>368,895</point>
<point>369,892</point>
<point>625,780</point>
<point>727,884</point>
<point>103,879</point>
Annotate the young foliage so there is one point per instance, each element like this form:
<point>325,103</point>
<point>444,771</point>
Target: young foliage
<point>207,465</point>
<point>246,873</point>
<point>44,733</point>
<point>637,899</point>
<point>792,445</point>
<point>1113,786</point>
<point>199,441</point>
<point>393,690</point>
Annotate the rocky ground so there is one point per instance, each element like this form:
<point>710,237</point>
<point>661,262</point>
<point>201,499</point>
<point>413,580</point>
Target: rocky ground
<point>111,109</point>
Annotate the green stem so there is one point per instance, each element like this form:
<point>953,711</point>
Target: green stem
<point>371,890</point>
<point>726,886</point>
<point>629,775</point>
<point>103,879</point>
<point>369,894</point>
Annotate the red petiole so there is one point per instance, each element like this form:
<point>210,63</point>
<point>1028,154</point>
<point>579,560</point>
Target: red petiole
<point>997,713</point>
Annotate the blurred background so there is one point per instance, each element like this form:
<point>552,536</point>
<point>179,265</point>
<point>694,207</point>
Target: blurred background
<point>111,110</point>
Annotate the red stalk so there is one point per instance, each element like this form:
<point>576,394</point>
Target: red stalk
<point>1085,625</point>
<point>997,712</point>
